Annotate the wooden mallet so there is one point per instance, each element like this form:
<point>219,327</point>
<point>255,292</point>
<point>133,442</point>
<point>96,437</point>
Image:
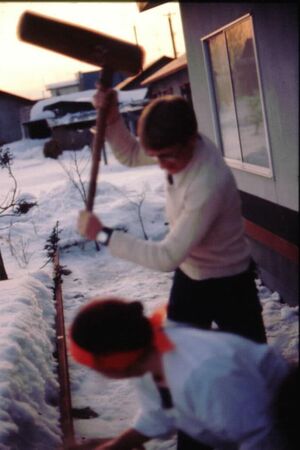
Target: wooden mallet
<point>90,47</point>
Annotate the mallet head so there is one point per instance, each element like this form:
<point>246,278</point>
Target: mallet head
<point>80,43</point>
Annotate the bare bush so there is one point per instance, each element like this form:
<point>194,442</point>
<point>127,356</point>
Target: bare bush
<point>12,205</point>
<point>75,171</point>
<point>137,199</point>
<point>19,249</point>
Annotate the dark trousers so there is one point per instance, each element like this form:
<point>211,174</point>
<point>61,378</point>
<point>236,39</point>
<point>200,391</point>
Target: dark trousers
<point>231,302</point>
<point>185,442</point>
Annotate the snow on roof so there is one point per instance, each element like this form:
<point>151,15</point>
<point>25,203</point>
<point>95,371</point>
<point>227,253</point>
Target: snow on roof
<point>124,97</point>
<point>133,95</point>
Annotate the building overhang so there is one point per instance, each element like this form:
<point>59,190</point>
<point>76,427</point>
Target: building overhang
<point>143,6</point>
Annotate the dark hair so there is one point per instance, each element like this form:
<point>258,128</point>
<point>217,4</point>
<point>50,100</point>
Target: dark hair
<point>165,122</point>
<point>110,325</point>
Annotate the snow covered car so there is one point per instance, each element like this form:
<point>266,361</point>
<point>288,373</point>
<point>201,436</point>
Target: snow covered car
<point>67,119</point>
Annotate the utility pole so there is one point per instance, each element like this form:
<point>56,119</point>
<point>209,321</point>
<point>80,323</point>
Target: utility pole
<point>135,35</point>
<point>172,34</point>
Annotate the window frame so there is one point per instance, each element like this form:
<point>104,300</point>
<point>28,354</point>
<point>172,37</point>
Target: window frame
<point>235,163</point>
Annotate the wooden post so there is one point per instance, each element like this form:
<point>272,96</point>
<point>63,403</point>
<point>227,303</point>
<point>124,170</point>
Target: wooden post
<point>62,356</point>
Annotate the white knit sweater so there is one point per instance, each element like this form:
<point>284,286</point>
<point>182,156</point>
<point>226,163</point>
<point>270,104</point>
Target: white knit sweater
<point>206,237</point>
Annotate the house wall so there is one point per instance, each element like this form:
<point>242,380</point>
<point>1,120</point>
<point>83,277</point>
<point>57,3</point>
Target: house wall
<point>175,81</point>
<point>270,204</point>
<point>276,32</point>
<point>10,120</point>
<point>62,90</point>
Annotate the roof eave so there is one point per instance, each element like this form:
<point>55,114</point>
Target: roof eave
<point>144,6</point>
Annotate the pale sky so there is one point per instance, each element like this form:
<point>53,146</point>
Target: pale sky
<point>27,69</point>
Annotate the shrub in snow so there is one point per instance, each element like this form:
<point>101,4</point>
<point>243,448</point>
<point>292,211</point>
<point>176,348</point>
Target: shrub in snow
<point>52,149</point>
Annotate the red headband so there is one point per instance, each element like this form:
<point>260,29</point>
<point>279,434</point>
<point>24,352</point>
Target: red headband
<point>117,360</point>
<point>123,360</point>
<point>160,340</point>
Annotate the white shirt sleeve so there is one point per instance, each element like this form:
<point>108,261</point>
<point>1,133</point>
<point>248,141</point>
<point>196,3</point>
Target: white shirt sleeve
<point>125,146</point>
<point>151,420</point>
<point>231,403</point>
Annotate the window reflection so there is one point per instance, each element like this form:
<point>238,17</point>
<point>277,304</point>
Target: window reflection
<point>224,97</point>
<point>237,94</point>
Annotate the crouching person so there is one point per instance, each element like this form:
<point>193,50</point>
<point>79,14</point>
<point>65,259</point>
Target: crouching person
<point>216,387</point>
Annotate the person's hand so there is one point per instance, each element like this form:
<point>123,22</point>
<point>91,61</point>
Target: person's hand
<point>88,225</point>
<point>107,100</point>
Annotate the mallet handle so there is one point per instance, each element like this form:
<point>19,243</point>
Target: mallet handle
<point>98,141</point>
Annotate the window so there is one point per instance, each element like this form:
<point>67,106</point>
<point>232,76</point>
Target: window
<point>237,97</point>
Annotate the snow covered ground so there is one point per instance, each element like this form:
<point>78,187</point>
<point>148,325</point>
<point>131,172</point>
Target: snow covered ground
<point>29,417</point>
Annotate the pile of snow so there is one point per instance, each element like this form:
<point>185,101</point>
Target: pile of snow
<point>28,386</point>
